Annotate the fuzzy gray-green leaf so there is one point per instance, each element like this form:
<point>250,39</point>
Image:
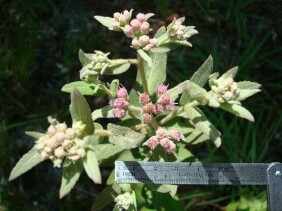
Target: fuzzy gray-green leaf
<point>114,85</point>
<point>91,167</point>
<point>203,124</point>
<point>84,88</point>
<point>146,57</point>
<point>177,90</point>
<point>193,92</point>
<point>28,161</point>
<point>106,21</point>
<point>238,111</point>
<point>105,112</point>
<point>84,60</point>
<point>116,69</point>
<point>104,151</point>
<point>160,31</point>
<point>69,178</point>
<point>34,134</point>
<point>230,73</point>
<point>124,136</point>
<point>80,111</point>
<point>248,85</point>
<point>245,93</point>
<point>201,76</point>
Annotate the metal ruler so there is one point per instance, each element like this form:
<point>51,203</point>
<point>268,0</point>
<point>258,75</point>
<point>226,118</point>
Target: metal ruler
<point>205,174</point>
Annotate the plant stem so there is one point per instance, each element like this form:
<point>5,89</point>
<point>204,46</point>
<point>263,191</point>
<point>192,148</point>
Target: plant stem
<point>124,61</point>
<point>102,132</point>
<point>142,73</point>
<point>109,92</point>
<point>162,39</point>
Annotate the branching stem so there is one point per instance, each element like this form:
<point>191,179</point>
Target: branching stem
<point>142,74</point>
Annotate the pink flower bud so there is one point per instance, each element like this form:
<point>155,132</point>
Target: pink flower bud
<point>60,136</point>
<point>121,92</point>
<point>52,143</point>
<point>126,13</point>
<point>153,42</point>
<point>161,133</point>
<point>59,152</point>
<point>145,26</point>
<point>168,145</point>
<point>147,118</point>
<point>135,43</point>
<point>140,17</point>
<point>61,127</point>
<point>119,113</point>
<point>161,89</point>
<point>164,99</point>
<point>51,130</point>
<point>74,157</point>
<point>152,142</point>
<point>70,133</point>
<point>135,23</point>
<point>116,24</point>
<point>44,155</point>
<point>171,149</point>
<point>175,134</point>
<point>144,40</point>
<point>158,109</point>
<point>169,106</point>
<point>128,31</point>
<point>120,103</point>
<point>144,98</point>
<point>148,108</point>
<point>67,143</point>
<point>117,15</point>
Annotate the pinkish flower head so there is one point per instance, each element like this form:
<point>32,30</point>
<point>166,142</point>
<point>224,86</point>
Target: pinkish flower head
<point>119,113</point>
<point>161,89</point>
<point>135,23</point>
<point>144,98</point>
<point>60,136</point>
<point>135,43</point>
<point>145,26</point>
<point>152,142</point>
<point>171,149</point>
<point>154,42</point>
<point>158,109</point>
<point>168,145</point>
<point>111,102</point>
<point>175,134</point>
<point>59,152</point>
<point>120,103</point>
<point>147,118</point>
<point>148,108</point>
<point>144,40</point>
<point>70,133</point>
<point>161,133</point>
<point>117,15</point>
<point>128,31</point>
<point>164,99</point>
<point>140,17</point>
<point>116,25</point>
<point>51,130</point>
<point>121,92</point>
<point>169,106</point>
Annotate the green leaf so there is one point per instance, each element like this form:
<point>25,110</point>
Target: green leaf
<point>116,69</point>
<point>182,42</point>
<point>133,198</point>
<point>124,136</point>
<point>202,123</point>
<point>184,155</point>
<point>201,76</point>
<point>148,15</point>
<point>248,85</point>
<point>34,134</point>
<point>28,161</point>
<point>111,178</point>
<point>245,93</point>
<point>80,111</point>
<point>69,178</point>
<point>91,167</point>
<point>145,56</point>
<point>230,73</point>
<point>106,21</point>
<point>106,197</point>
<point>238,111</point>
<point>84,88</point>
<point>177,90</point>
<point>160,32</point>
<point>171,189</point>
<point>165,48</point>
<point>156,74</point>
<point>193,92</point>
<point>105,112</point>
<point>114,85</point>
<point>84,59</point>
<point>104,151</point>
<point>213,102</point>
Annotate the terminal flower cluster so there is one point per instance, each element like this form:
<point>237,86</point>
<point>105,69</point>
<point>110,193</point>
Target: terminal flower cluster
<point>60,142</point>
<point>163,103</point>
<point>123,201</point>
<point>165,138</point>
<point>225,90</point>
<point>121,19</point>
<point>120,103</point>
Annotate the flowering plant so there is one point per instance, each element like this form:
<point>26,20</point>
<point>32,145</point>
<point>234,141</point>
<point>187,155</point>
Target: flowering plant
<point>157,122</point>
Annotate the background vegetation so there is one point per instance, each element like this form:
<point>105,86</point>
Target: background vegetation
<point>38,50</point>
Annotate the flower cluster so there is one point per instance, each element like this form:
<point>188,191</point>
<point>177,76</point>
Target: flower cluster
<point>120,103</point>
<point>121,19</point>
<point>61,141</point>
<point>165,139</point>
<point>164,103</point>
<point>180,32</point>
<point>124,201</point>
<point>225,89</point>
<point>99,60</point>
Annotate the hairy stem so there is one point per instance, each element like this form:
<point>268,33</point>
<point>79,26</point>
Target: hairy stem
<point>108,92</point>
<point>142,74</point>
<point>124,61</point>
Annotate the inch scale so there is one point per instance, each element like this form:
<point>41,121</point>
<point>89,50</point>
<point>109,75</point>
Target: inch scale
<point>205,174</point>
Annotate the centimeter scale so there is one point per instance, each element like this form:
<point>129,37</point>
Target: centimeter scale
<point>205,174</point>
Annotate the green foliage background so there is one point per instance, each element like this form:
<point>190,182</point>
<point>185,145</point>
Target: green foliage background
<point>39,54</point>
